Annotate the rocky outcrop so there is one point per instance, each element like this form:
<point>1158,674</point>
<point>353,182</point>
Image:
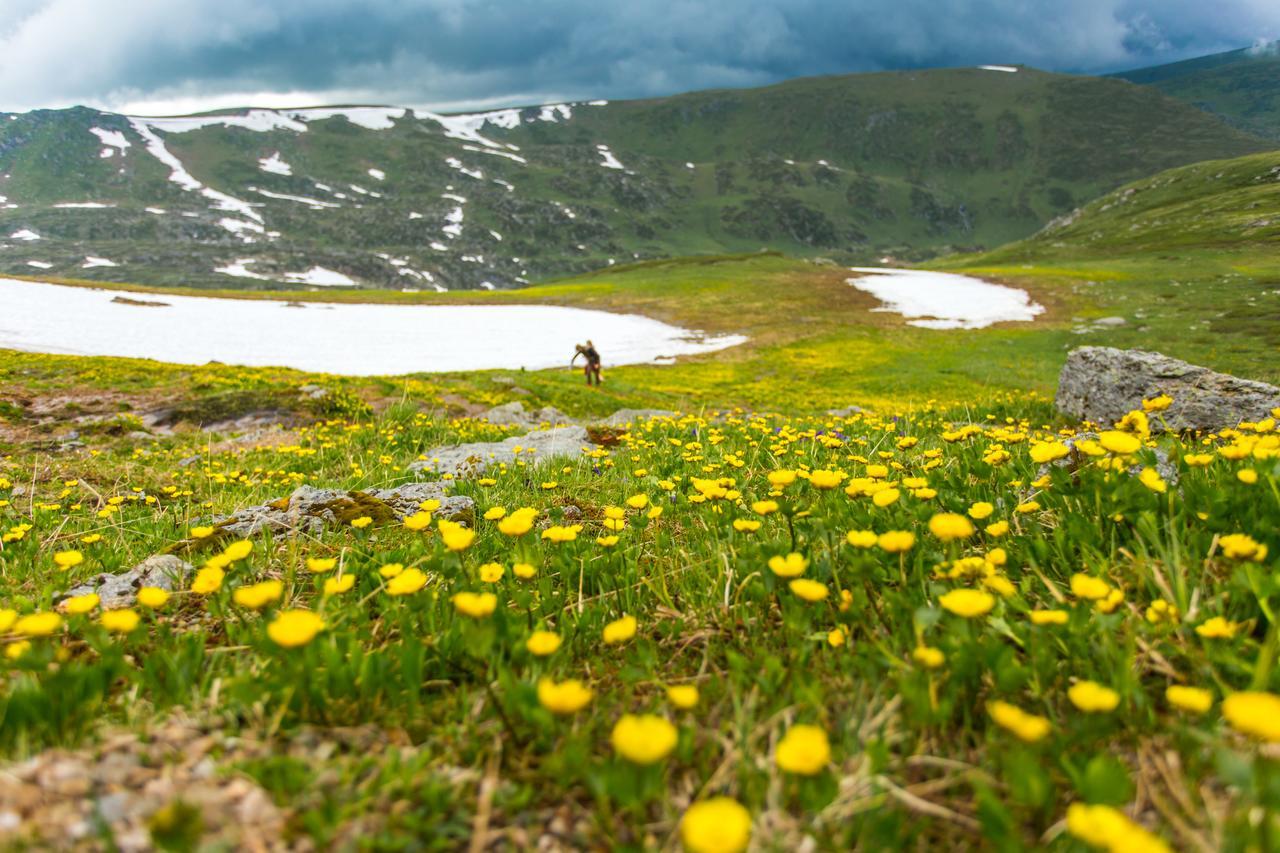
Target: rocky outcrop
<point>1102,384</point>
<point>623,417</point>
<point>470,460</point>
<point>515,414</point>
<point>163,570</point>
<point>311,510</point>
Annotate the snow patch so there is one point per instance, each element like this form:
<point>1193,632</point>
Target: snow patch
<point>275,165</point>
<point>607,159</point>
<point>111,138</point>
<point>240,269</point>
<point>1008,69</point>
<point>936,300</point>
<point>313,203</point>
<point>40,265</point>
<point>320,277</point>
<point>455,163</point>
<point>88,205</point>
<point>516,157</point>
<point>158,211</point>
<point>90,262</point>
<point>180,176</point>
<point>377,174</point>
<point>24,234</point>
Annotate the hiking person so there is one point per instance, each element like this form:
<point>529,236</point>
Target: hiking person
<point>592,366</point>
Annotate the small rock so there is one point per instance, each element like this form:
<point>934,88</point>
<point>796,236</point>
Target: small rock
<point>1110,322</point>
<point>847,411</point>
<point>121,590</point>
<point>622,417</point>
<point>469,460</point>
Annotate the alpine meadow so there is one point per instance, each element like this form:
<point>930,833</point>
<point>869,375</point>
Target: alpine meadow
<point>879,460</point>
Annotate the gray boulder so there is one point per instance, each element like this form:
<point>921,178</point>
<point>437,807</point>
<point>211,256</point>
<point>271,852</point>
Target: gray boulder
<point>1102,384</point>
<point>163,570</point>
<point>471,460</point>
<point>311,510</point>
<point>623,417</point>
<point>515,414</point>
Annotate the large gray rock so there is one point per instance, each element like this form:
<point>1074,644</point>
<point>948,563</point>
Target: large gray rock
<point>470,460</point>
<point>623,417</point>
<point>311,510</point>
<point>1102,384</point>
<point>163,570</point>
<point>515,414</point>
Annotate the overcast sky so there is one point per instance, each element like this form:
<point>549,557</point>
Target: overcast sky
<point>169,56</point>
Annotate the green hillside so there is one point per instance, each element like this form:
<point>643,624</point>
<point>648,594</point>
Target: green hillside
<point>853,168</point>
<point>1242,87</point>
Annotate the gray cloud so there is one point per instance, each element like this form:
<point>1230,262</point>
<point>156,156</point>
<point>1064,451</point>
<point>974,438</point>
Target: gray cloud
<point>195,53</point>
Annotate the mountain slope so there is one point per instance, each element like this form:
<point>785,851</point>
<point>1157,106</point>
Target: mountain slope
<point>1227,206</point>
<point>1242,87</point>
<point>909,163</point>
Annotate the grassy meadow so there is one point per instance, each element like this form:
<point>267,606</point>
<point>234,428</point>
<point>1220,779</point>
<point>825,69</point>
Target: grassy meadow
<point>952,620</point>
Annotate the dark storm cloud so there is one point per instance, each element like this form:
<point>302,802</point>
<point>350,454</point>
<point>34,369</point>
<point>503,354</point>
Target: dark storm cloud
<point>424,52</point>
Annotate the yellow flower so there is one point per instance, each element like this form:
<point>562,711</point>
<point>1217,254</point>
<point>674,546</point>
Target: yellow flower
<point>319,565</point>
<point>997,529</point>
<point>152,597</point>
<point>981,510</point>
<point>1240,546</point>
<point>969,603</point>
<point>477,605</point>
<point>1027,507</point>
<point>1151,478</point>
<point>861,538</point>
<point>524,571</point>
<point>418,521</point>
<point>561,533</point>
<point>885,497</point>
<point>638,501</point>
<point>454,536</point>
<point>1162,611</point>
<point>1157,404</point>
<point>79,604</point>
<point>37,624</point>
<point>745,525</point>
<point>7,618</point>
<point>407,582</point>
<point>494,513</point>
<point>683,696</point>
<point>790,566</point>
<point>1026,727</point>
<point>119,621</point>
<point>1248,476</point>
<point>1217,628</point>
<point>390,570</point>
<point>361,522</point>
<point>542,643</point>
<point>764,507</point>
<point>824,479</point>
<point>492,572</point>
<point>782,477</point>
<point>1091,697</point>
<point>68,559</point>
<point>237,550</point>
<point>717,825</point>
<point>836,638</point>
<point>566,697</point>
<point>91,539</point>
<point>259,595</point>
<point>614,524</point>
<point>809,590</point>
<point>607,541</point>
<point>643,738</point>
<point>1119,443</point>
<point>948,526</point>
<point>1254,713</point>
<point>896,541</point>
<point>1194,699</point>
<point>518,523</point>
<point>15,650</point>
<point>1088,587</point>
<point>619,630</point>
<point>429,505</point>
<point>1048,451</point>
<point>339,585</point>
<point>1048,617</point>
<point>1110,829</point>
<point>293,628</point>
<point>654,512</point>
<point>200,532</point>
<point>803,750</point>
